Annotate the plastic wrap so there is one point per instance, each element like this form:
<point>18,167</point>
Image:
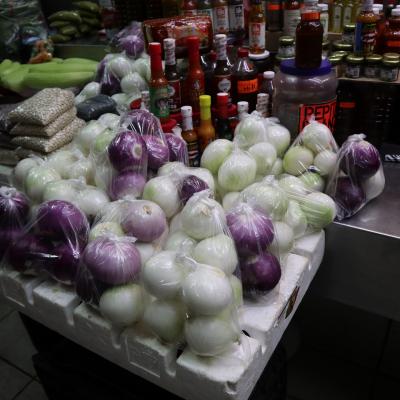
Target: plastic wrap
<point>131,40</point>
<point>357,176</point>
<point>96,106</point>
<point>312,156</point>
<point>177,148</point>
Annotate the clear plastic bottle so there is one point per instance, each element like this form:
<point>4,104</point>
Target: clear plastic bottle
<point>268,87</point>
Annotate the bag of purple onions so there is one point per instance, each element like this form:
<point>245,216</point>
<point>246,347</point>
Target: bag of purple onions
<point>358,176</point>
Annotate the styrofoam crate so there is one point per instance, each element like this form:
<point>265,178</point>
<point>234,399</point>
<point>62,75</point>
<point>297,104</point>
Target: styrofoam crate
<point>231,376</point>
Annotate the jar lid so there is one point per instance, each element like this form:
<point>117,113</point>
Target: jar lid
<point>323,7</point>
<point>349,28</point>
<point>268,74</point>
<point>342,46</point>
<point>354,59</point>
<point>260,56</point>
<point>391,56</point>
<point>341,53</point>
<point>280,58</point>
<point>286,40</point>
<point>391,63</point>
<point>335,60</point>
<point>289,67</point>
<point>373,58</point>
<point>325,44</point>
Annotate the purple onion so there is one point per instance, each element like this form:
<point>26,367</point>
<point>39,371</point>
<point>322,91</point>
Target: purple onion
<point>142,122</point>
<point>64,266</point>
<point>261,272</point>
<point>132,44</point>
<point>177,148</point>
<point>157,150</point>
<point>349,197</point>
<point>62,220</point>
<point>127,183</point>
<point>109,83</point>
<point>191,184</point>
<point>112,260</point>
<point>14,208</point>
<point>144,220</point>
<point>29,252</point>
<point>360,159</point>
<point>7,237</point>
<point>128,151</point>
<point>251,229</point>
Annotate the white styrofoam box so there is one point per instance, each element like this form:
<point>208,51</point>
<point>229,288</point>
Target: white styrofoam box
<point>311,246</point>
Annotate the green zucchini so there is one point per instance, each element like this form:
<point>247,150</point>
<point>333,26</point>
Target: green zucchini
<point>87,14</point>
<point>59,38</point>
<point>87,6</point>
<point>93,22</point>
<point>5,64</point>
<point>64,67</point>
<point>38,80</point>
<point>77,60</point>
<point>68,30</point>
<point>59,24</point>
<point>71,16</point>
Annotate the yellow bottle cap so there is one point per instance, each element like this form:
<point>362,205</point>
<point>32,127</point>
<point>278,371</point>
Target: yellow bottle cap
<point>205,100</point>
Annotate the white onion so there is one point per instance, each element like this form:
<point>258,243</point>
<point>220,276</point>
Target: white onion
<point>218,251</point>
<point>106,228</point>
<point>163,276</point>
<point>120,66</point>
<point>316,136</point>
<point>202,217</point>
<point>319,209</point>
<point>215,154</point>
<point>123,305</point>
<point>278,136</point>
<point>176,224</point>
<point>297,160</point>
<point>162,190</point>
<point>81,169</point>
<point>296,219</point>
<point>313,181</point>
<point>62,160</point>
<point>277,168</point>
<point>171,167</point>
<point>237,171</point>
<point>91,200</point>
<point>109,120</point>
<point>265,156</point>
<point>237,289</point>
<point>146,250</point>
<point>374,185</point>
<point>181,243</point>
<point>283,239</point>
<point>37,179</point>
<point>22,169</point>
<point>133,82</point>
<point>87,135</point>
<point>165,319</point>
<point>90,90</point>
<point>60,190</point>
<point>325,161</point>
<point>293,187</point>
<point>206,291</point>
<point>205,175</point>
<point>251,130</point>
<point>229,200</point>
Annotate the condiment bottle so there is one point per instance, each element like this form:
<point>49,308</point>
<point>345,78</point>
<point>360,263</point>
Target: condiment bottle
<point>309,35</point>
<point>365,36</point>
<point>268,88</point>
<point>244,79</point>
<point>380,28</point>
<point>189,7</point>
<point>222,124</point>
<point>256,27</point>
<point>392,35</point>
<point>236,16</point>
<point>204,7</point>
<point>336,17</point>
<point>220,16</point>
<point>222,81</point>
<point>190,136</point>
<point>243,109</point>
<point>262,104</point>
<point>324,17</point>
<point>158,86</point>
<point>194,84</point>
<point>208,64</point>
<point>145,100</point>
<point>206,131</point>
<point>291,14</point>
<point>347,12</point>
<point>172,75</point>
<point>274,15</point>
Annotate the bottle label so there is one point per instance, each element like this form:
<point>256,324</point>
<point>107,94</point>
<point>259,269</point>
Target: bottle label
<point>337,19</point>
<point>323,112</point>
<point>246,87</point>
<point>257,35</point>
<point>169,49</point>
<point>236,17</point>
<point>193,152</point>
<point>290,21</point>
<point>393,43</point>
<point>220,49</point>
<point>174,96</point>
<point>286,51</point>
<point>365,38</point>
<point>353,71</point>
<point>220,19</point>
<point>389,74</point>
<point>224,83</point>
<point>348,38</point>
<point>324,18</point>
<point>371,72</point>
<point>347,15</point>
<point>159,101</point>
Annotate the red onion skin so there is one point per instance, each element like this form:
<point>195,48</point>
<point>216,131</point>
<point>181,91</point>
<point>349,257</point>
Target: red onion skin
<point>14,208</point>
<point>127,183</point>
<point>157,150</point>
<point>191,184</point>
<point>128,151</point>
<point>252,232</point>
<point>7,237</point>
<point>360,160</point>
<point>349,197</point>
<point>177,148</point>
<point>260,273</point>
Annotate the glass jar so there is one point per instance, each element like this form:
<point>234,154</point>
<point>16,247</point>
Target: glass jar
<point>341,46</point>
<point>325,49</point>
<point>262,62</point>
<point>391,56</point>
<point>286,46</point>
<point>353,66</point>
<point>348,33</point>
<point>300,93</point>
<point>336,65</point>
<point>372,66</point>
<point>389,70</point>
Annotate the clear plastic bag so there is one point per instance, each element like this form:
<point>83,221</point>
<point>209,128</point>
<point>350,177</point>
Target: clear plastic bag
<point>357,176</point>
<point>177,148</point>
<point>131,40</point>
<point>312,156</point>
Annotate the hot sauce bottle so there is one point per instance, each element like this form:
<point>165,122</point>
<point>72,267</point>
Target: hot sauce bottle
<point>206,131</point>
<point>158,86</point>
<point>365,36</point>
<point>257,27</point>
<point>189,135</point>
<point>309,33</point>
<point>194,85</point>
<point>220,16</point>
<point>222,81</point>
<point>222,124</point>
<point>172,75</point>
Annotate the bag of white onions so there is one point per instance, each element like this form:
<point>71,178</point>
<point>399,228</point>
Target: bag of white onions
<point>357,176</point>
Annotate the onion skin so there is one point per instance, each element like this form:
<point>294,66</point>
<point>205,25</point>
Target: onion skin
<point>190,185</point>
<point>260,273</point>
<point>177,148</point>
<point>157,150</point>
<point>65,267</point>
<point>14,208</point>
<point>349,197</point>
<point>7,237</point>
<point>127,183</point>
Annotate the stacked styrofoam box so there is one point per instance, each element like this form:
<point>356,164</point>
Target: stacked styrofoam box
<point>229,376</point>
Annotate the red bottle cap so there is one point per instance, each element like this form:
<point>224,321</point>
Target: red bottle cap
<point>193,42</point>
<point>169,125</point>
<point>222,99</point>
<point>154,49</point>
<point>242,53</point>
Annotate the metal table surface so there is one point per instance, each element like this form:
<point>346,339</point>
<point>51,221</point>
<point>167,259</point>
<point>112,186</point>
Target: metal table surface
<point>361,266</point>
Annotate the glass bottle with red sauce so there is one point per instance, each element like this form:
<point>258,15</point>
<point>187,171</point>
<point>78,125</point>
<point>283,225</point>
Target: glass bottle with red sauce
<point>222,124</point>
<point>244,79</point>
<point>365,35</point>
<point>222,81</point>
<point>173,77</point>
<point>158,85</point>
<point>194,84</point>
<point>309,33</point>
<point>392,36</point>
<point>189,135</point>
<point>189,7</point>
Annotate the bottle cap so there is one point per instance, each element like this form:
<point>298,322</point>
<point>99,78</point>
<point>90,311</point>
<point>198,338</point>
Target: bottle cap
<point>193,42</point>
<point>242,106</point>
<point>268,74</point>
<point>396,12</point>
<point>242,53</point>
<point>323,7</point>
<point>378,6</point>
<point>261,56</point>
<point>186,111</point>
<point>222,98</point>
<point>154,48</point>
<point>220,39</point>
<point>205,100</point>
